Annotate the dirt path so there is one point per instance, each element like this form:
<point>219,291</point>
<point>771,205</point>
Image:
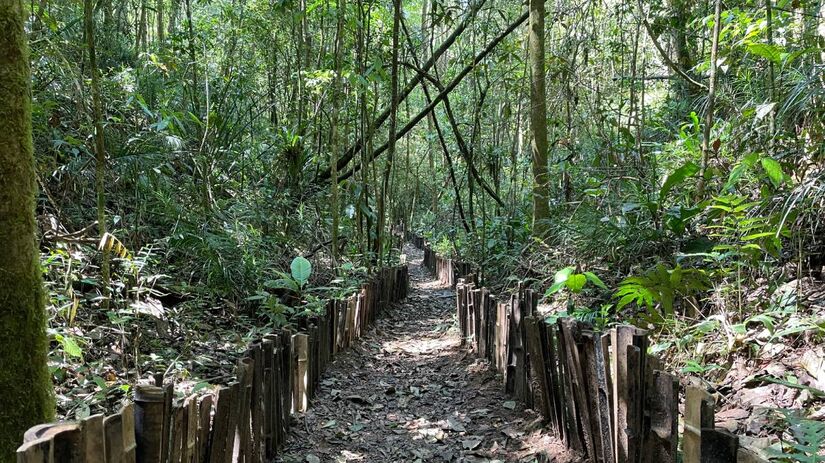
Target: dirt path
<point>407,393</point>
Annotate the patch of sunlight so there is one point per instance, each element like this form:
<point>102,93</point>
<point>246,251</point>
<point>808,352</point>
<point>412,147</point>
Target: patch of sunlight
<point>420,346</point>
<point>346,455</point>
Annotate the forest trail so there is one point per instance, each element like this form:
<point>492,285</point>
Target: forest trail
<point>406,392</point>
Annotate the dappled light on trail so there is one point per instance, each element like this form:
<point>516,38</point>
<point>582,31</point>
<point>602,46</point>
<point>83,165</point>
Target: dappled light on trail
<point>406,392</point>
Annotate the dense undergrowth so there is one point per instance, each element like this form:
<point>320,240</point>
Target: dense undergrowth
<point>699,217</point>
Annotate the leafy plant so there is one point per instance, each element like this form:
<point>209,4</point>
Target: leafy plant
<point>574,280</point>
<point>300,271</point>
<point>658,289</point>
<point>807,439</point>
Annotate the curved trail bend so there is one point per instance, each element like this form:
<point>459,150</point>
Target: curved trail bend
<point>407,393</point>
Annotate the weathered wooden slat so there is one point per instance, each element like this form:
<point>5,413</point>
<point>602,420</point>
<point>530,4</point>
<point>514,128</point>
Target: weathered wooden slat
<point>93,437</point>
<point>536,354</point>
<point>66,437</point>
<point>569,328</point>
<point>36,451</point>
<point>268,353</point>
<point>502,329</point>
<point>257,400</point>
<point>176,455</point>
<point>699,411</point>
<point>204,428</point>
<point>600,404</point>
<point>243,445</point>
<point>552,365</point>
<point>190,437</point>
<point>660,442</point>
<point>301,345</point>
<point>477,321</point>
<point>150,422</point>
<point>628,391</point>
<point>221,431</point>
<point>113,430</point>
<point>719,446</point>
<point>460,312</point>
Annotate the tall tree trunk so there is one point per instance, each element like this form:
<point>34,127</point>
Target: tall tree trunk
<point>340,11</point>
<point>392,136</point>
<point>173,16</point>
<point>538,121</point>
<point>142,28</point>
<point>161,32</point>
<point>771,79</point>
<point>26,398</point>
<point>706,145</point>
<point>100,143</point>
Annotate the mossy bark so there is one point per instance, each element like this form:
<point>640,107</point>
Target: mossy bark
<point>26,397</point>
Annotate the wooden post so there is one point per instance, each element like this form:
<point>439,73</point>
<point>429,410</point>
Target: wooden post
<point>268,354</point>
<point>459,310</point>
<point>220,431</point>
<point>699,412</point>
<point>66,441</point>
<point>300,400</point>
<point>538,355</point>
<point>568,328</point>
<point>37,451</point>
<point>245,373</point>
<point>113,430</point>
<point>662,404</point>
<point>257,393</point>
<point>178,433</point>
<point>552,364</point>
<point>477,322</point>
<point>190,438</point>
<point>150,405</point>
<point>502,331</point>
<point>598,395</point>
<point>204,428</point>
<point>629,345</point>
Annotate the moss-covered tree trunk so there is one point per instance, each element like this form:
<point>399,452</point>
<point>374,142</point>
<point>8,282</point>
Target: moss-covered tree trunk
<point>25,386</point>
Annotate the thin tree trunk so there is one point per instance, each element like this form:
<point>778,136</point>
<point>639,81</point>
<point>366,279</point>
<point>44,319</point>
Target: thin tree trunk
<point>392,136</point>
<point>538,121</point>
<point>161,32</point>
<point>706,145</point>
<point>336,100</point>
<point>100,144</point>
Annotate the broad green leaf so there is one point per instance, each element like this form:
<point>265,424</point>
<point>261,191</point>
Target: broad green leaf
<point>301,270</point>
<point>591,277</point>
<point>576,282</point>
<point>767,51</point>
<point>554,289</point>
<point>737,172</point>
<point>562,275</point>
<point>283,283</point>
<point>774,171</point>
<point>676,177</point>
<point>69,345</point>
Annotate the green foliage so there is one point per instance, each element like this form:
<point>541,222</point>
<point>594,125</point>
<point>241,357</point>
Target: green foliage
<point>807,438</point>
<point>301,270</point>
<point>659,289</point>
<point>572,280</point>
